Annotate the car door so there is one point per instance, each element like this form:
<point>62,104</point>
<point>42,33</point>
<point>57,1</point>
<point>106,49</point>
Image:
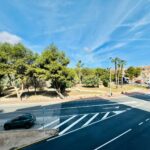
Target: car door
<point>23,120</point>
<point>15,123</point>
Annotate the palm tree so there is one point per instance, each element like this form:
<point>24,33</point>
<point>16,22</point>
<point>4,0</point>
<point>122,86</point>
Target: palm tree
<point>79,67</point>
<point>115,61</point>
<point>118,71</point>
<point>122,64</point>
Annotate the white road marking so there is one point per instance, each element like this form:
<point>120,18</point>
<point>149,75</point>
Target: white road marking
<point>91,119</point>
<point>73,124</point>
<point>81,128</point>
<point>119,111</point>
<point>46,125</point>
<point>87,106</point>
<point>147,119</point>
<point>140,123</point>
<point>112,139</point>
<point>57,126</point>
<point>105,116</point>
<point>116,107</point>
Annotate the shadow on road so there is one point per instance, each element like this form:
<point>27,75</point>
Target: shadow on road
<point>139,95</point>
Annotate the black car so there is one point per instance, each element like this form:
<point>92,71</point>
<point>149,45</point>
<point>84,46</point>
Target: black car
<point>23,121</point>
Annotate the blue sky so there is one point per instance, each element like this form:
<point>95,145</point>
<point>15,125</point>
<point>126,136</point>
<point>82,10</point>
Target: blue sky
<point>87,30</point>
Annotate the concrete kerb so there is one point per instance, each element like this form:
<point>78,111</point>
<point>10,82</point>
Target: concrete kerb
<point>37,141</point>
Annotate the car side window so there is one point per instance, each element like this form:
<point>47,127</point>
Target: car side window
<point>22,118</point>
<point>16,119</point>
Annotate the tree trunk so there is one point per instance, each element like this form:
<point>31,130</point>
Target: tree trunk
<point>35,86</point>
<point>19,93</point>
<point>122,76</point>
<point>34,90</point>
<point>59,93</point>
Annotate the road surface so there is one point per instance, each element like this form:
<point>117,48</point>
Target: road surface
<point>121,124</point>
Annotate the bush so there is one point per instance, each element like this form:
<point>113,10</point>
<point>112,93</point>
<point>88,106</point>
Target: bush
<point>91,81</point>
<point>105,83</point>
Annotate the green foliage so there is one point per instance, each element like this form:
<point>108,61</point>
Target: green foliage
<point>103,74</point>
<point>92,77</point>
<point>78,69</point>
<point>1,84</point>
<point>133,72</point>
<point>87,72</point>
<point>105,82</point>
<point>14,62</point>
<point>54,62</point>
<point>91,81</point>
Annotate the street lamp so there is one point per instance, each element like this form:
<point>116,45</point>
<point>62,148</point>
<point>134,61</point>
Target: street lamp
<point>110,91</point>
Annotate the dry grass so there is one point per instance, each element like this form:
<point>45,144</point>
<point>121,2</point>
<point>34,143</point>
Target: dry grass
<point>126,88</point>
<point>73,93</point>
<point>13,139</point>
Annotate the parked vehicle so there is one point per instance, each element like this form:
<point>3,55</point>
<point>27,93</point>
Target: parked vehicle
<point>23,121</point>
<point>125,80</point>
<point>138,81</point>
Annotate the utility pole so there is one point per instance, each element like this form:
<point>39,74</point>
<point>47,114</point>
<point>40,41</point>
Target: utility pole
<point>43,119</point>
<point>110,91</point>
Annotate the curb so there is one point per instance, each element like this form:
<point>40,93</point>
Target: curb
<point>37,141</point>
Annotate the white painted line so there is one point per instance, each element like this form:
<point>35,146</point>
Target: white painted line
<point>147,119</point>
<point>91,119</point>
<point>86,106</point>
<point>57,126</point>
<point>73,124</point>
<point>116,107</point>
<point>82,127</point>
<point>119,111</point>
<point>112,139</point>
<point>46,125</point>
<point>105,116</point>
<point>140,123</point>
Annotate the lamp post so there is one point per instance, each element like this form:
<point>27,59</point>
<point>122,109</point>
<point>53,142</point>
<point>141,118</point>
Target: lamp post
<point>110,91</point>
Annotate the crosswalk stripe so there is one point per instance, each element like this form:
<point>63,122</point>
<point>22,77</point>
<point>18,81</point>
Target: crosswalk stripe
<point>48,124</point>
<point>90,120</point>
<point>57,126</point>
<point>73,124</point>
<point>105,116</point>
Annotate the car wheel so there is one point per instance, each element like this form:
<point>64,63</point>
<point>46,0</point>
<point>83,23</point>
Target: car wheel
<point>27,126</point>
<point>6,127</point>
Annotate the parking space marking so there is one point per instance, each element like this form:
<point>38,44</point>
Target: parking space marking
<point>105,116</point>
<point>66,133</point>
<point>91,119</point>
<point>119,111</point>
<point>147,119</point>
<point>140,123</point>
<point>113,139</point>
<point>49,124</point>
<point>116,107</point>
<point>73,124</point>
<point>59,125</point>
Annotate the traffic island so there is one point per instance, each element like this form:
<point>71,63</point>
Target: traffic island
<point>16,139</point>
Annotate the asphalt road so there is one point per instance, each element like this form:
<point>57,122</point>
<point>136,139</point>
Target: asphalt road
<point>92,125</point>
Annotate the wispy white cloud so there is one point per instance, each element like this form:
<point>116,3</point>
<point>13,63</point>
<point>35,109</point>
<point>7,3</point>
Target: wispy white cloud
<point>107,36</point>
<point>9,38</point>
<point>111,48</point>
